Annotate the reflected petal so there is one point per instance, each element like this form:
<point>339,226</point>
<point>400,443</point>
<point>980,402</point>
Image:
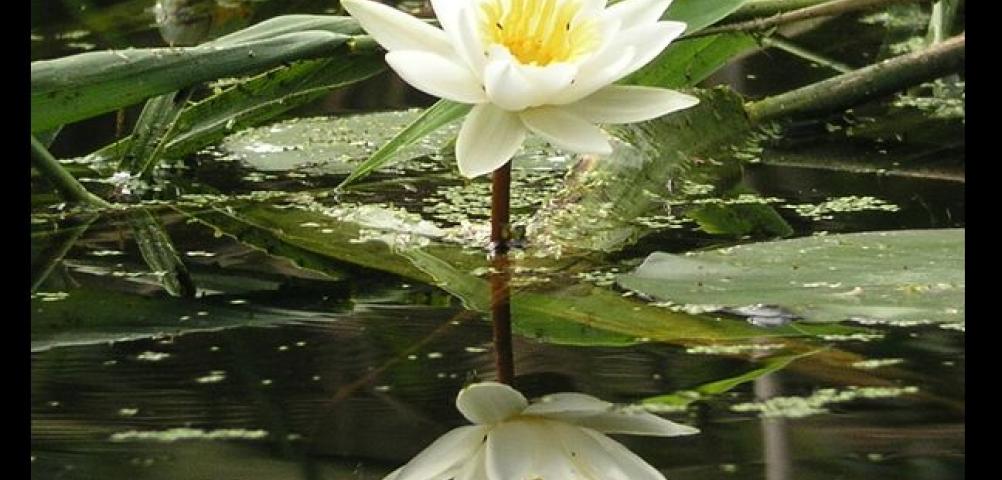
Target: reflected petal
<point>599,459</point>
<point>445,454</point>
<point>568,403</point>
<point>633,422</point>
<point>528,449</point>
<point>476,467</point>
<point>489,402</point>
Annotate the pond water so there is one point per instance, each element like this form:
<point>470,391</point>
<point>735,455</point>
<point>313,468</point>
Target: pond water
<point>311,350</point>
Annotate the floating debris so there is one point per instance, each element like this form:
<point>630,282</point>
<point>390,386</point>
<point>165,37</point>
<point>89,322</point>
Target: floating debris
<point>177,434</point>
<point>763,315</point>
<point>826,210</point>
<point>799,407</point>
<point>214,376</point>
<point>733,349</point>
<point>152,356</point>
<point>877,363</point>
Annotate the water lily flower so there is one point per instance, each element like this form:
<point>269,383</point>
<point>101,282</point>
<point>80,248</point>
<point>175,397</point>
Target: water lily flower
<point>545,66</point>
<point>557,438</point>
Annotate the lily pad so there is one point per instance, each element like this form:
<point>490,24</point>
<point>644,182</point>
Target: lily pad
<point>900,278</point>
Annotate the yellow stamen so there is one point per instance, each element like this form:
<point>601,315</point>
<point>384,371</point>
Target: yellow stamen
<point>538,32</point>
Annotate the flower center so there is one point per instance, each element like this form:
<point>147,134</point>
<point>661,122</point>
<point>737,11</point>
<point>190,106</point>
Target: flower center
<point>538,32</point>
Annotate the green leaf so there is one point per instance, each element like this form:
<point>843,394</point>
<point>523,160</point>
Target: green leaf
<point>158,251</point>
<point>260,99</point>
<point>73,88</point>
<point>436,116</point>
<point>90,315</point>
<point>738,220</point>
<point>151,131</point>
<point>685,397</point>
<point>687,62</point>
<point>699,14</point>
<point>285,24</point>
<point>601,202</point>
<point>898,277</point>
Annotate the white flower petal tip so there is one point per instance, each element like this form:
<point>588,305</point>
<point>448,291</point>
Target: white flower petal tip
<point>628,104</point>
<point>446,454</point>
<point>566,130</point>
<point>490,402</point>
<point>396,30</point>
<point>488,138</point>
<point>436,75</point>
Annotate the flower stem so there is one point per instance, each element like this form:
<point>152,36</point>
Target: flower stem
<point>500,206</point>
<point>501,276</point>
<point>504,362</point>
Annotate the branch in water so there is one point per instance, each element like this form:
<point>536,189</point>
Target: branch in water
<point>827,9</point>
<point>874,81</point>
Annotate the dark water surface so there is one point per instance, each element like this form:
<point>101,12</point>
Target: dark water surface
<point>274,371</point>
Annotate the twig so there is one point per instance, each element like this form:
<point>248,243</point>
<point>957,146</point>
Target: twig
<point>866,83</point>
<point>827,9</point>
<point>68,186</point>
<point>768,8</point>
<point>793,49</point>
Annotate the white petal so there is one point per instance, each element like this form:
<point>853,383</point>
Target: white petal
<point>649,40</point>
<point>594,454</point>
<point>467,40</point>
<point>627,462</point>
<point>528,449</point>
<point>634,423</point>
<point>489,402</point>
<point>446,453</point>
<point>394,475</point>
<point>627,104</point>
<point>447,12</point>
<point>634,13</point>
<point>396,30</point>
<point>475,468</point>
<point>566,130</point>
<point>595,73</point>
<point>436,75</point>
<point>515,87</point>
<point>568,403</point>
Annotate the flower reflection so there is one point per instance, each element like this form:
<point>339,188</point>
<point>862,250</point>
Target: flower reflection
<point>560,437</point>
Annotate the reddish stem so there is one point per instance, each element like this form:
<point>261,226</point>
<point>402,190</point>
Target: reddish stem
<point>501,276</point>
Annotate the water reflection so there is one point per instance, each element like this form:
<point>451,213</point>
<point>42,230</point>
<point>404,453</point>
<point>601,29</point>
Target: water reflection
<point>561,436</point>
<point>776,448</point>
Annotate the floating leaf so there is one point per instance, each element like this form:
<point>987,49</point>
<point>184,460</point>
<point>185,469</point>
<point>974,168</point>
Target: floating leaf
<point>901,277</point>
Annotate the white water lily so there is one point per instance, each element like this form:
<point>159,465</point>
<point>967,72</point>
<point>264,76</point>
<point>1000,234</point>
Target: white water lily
<point>557,438</point>
<point>545,66</point>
